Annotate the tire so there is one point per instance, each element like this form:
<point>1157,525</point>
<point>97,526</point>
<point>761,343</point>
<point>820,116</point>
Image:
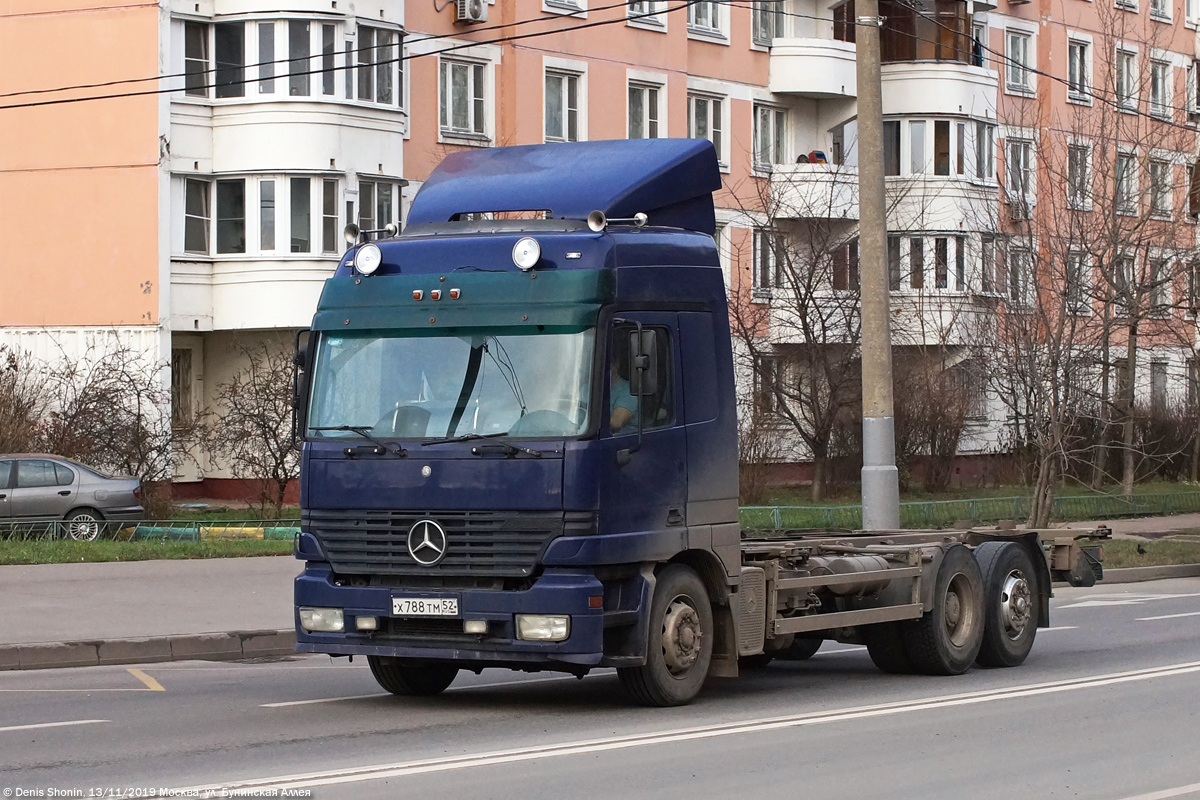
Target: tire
<point>83,524</point>
<point>681,640</point>
<point>398,677</point>
<point>756,661</point>
<point>800,649</point>
<point>946,640</point>
<point>885,645</point>
<point>1011,604</point>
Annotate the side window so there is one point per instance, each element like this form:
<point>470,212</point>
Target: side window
<point>35,474</point>
<point>66,475</point>
<point>5,473</point>
<point>658,397</point>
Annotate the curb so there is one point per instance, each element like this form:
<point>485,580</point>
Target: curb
<point>1140,574</point>
<point>205,647</point>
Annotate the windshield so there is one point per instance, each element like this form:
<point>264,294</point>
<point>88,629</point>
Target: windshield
<point>395,386</point>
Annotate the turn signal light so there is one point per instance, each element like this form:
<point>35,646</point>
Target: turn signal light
<point>454,293</point>
<point>435,294</point>
<point>418,294</point>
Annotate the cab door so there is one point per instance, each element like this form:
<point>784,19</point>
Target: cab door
<point>6,473</point>
<point>643,485</point>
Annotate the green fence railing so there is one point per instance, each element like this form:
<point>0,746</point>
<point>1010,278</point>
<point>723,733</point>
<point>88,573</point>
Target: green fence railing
<point>141,530</point>
<point>945,513</point>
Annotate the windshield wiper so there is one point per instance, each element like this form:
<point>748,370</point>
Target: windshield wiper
<point>509,448</point>
<point>381,446</point>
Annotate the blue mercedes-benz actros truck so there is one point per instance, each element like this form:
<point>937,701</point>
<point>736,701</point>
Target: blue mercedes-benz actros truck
<point>520,451</point>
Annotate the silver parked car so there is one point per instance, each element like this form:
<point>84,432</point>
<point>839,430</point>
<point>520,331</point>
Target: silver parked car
<point>37,486</point>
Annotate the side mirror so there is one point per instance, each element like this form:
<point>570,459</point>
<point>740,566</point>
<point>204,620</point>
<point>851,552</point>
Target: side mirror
<point>643,362</point>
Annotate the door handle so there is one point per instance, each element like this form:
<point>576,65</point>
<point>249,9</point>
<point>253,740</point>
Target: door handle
<point>674,516</point>
<point>65,493</point>
<point>3,496</point>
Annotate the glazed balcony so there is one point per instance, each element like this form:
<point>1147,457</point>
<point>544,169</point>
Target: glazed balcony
<point>815,191</point>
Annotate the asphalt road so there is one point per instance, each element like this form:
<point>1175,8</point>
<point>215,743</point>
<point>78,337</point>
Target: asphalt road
<point>1107,706</point>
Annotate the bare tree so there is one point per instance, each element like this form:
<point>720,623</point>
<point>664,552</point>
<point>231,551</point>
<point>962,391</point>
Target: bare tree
<point>250,430</point>
<point>22,401</point>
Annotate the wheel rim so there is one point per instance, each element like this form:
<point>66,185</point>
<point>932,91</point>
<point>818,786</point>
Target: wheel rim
<point>1016,604</point>
<point>960,610</point>
<point>682,636</point>
<point>83,527</point>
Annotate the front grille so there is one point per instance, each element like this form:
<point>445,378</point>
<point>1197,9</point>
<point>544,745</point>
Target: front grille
<point>504,544</point>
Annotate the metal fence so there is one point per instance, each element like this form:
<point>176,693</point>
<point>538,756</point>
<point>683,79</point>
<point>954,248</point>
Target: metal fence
<point>151,530</point>
<point>946,513</point>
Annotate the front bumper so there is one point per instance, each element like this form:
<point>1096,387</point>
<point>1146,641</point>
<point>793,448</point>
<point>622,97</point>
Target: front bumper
<point>557,591</point>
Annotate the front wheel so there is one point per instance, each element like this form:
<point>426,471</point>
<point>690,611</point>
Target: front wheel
<point>681,642</point>
<point>1011,604</point>
<point>398,677</point>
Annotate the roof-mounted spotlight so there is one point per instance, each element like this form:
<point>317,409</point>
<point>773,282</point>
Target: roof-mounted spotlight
<point>597,221</point>
<point>526,253</point>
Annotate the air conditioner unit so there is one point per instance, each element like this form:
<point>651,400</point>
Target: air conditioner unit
<point>1018,209</point>
<point>470,11</point>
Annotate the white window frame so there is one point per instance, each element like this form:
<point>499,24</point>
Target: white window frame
<point>1191,13</point>
<point>647,15</point>
<point>1161,297</point>
<point>1078,269</point>
<point>1126,5</point>
<point>764,254</point>
<point>1125,202</point>
<point>985,158</point>
<point>208,218</point>
<point>1160,85</point>
<point>1079,86</point>
<point>204,91</point>
<point>396,68</point>
<point>1159,209</point>
<point>1018,276</point>
<point>1080,202</point>
<point>374,182</point>
<point>773,14</point>
<point>478,131</point>
<point>646,82</point>
<point>718,123</point>
<point>1019,47</point>
<point>1192,102</point>
<point>570,8</point>
<point>708,20</point>
<point>566,71</point>
<point>1125,78</point>
<point>1026,194</point>
<point>1164,11</point>
<point>761,165</point>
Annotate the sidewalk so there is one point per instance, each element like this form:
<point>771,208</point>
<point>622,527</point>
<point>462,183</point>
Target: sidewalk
<point>1145,527</point>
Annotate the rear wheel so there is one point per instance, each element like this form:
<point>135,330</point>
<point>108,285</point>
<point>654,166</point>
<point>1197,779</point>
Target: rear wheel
<point>946,640</point>
<point>83,524</point>
<point>398,677</point>
<point>800,649</point>
<point>681,641</point>
<point>1011,604</point>
<point>885,645</point>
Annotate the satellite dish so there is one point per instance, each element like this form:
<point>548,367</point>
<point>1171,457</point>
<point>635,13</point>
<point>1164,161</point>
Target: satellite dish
<point>597,221</point>
<point>351,234</point>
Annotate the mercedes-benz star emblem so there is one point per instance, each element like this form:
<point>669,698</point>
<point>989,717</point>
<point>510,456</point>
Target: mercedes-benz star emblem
<point>426,542</point>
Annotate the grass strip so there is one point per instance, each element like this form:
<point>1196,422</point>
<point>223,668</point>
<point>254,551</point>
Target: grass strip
<point>59,551</point>
<point>1121,553</point>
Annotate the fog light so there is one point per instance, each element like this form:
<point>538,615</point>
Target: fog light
<point>327,620</point>
<point>366,623</point>
<point>543,628</point>
<point>474,626</point>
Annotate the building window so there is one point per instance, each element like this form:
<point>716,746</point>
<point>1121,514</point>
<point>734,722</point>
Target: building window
<point>770,137</point>
<point>266,57</point>
<point>1079,84</point>
<point>461,89</point>
<point>1079,180</point>
<point>960,149</point>
<point>704,121</point>
<point>893,263</point>
<point>916,263</point>
<point>938,30</point>
<point>266,215</point>
<point>916,146</point>
<point>844,23</point>
<point>941,147</point>
<point>960,263</point>
<point>1017,73</point>
<point>230,51</point>
<point>181,386</point>
<point>1191,11</point>
<point>1126,80</point>
<point>1125,184</point>
<point>1160,88</point>
<point>1020,167</point>
<point>1160,285</point>
<point>644,11</point>
<point>328,56</point>
<point>979,37</point>
<point>1161,200</point>
<point>768,384</point>
<point>985,148</point>
<point>195,59</point>
<point>643,111</point>
<point>562,107</point>
<point>1160,9</point>
<point>376,206</point>
<point>891,148</point>
<point>196,216</point>
<point>705,16</point>
<point>378,55</point>
<point>1158,387</point>
<point>299,46</point>
<point>768,21</point>
<point>1124,269</point>
<point>1020,270</point>
<point>987,263</point>
<point>301,214</point>
<point>1194,191</point>
<point>231,216</point>
<point>329,216</point>
<point>1078,283</point>
<point>767,273</point>
<point>845,266</point>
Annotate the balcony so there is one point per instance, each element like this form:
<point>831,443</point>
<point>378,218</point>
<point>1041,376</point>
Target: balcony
<point>238,294</point>
<point>816,68</point>
<point>815,191</point>
<point>924,88</point>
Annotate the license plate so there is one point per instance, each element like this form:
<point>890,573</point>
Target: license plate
<point>425,606</point>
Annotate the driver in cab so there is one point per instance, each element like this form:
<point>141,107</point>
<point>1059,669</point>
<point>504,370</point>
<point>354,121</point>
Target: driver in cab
<point>621,400</point>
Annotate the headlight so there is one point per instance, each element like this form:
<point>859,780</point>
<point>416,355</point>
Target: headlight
<point>526,253</point>
<point>367,259</point>
<point>323,620</point>
<point>543,628</point>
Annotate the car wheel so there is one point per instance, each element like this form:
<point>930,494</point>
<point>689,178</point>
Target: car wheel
<point>83,525</point>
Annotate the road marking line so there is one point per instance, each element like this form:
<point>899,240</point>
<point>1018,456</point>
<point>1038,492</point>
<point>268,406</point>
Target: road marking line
<point>1165,793</point>
<point>1059,628</point>
<point>153,685</point>
<point>52,724</point>
<point>1124,600</point>
<point>1169,616</point>
<point>495,685</point>
<point>447,764</point>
